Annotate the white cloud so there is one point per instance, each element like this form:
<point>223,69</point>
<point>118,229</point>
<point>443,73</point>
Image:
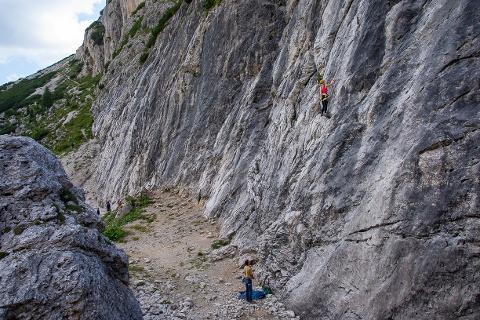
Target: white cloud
<point>42,31</point>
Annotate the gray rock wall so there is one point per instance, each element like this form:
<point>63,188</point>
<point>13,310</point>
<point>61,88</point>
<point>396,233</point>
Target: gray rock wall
<point>54,262</point>
<point>116,18</point>
<point>92,54</point>
<point>372,213</point>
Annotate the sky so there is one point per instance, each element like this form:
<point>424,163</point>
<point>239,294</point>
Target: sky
<point>35,34</point>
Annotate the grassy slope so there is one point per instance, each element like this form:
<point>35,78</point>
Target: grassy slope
<point>42,117</point>
<point>114,227</point>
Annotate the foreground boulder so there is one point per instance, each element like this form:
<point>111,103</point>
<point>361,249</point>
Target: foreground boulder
<point>54,262</point>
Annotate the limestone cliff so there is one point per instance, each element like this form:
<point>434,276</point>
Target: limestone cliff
<point>104,36</point>
<point>372,213</point>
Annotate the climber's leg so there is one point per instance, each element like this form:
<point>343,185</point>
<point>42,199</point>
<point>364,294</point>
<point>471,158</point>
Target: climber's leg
<point>324,104</point>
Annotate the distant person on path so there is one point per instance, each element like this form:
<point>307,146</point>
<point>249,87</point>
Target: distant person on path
<point>248,279</point>
<point>109,206</point>
<point>324,96</point>
<point>98,211</point>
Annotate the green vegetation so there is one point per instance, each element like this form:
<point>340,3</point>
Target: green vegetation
<point>75,207</point>
<point>139,271</point>
<point>142,201</point>
<point>135,27</point>
<point>60,119</point>
<point>5,230</point>
<point>141,228</point>
<point>220,243</point>
<point>3,254</point>
<point>77,131</point>
<point>60,91</point>
<point>19,95</point>
<point>61,218</point>
<point>209,4</point>
<point>18,230</point>
<point>67,196</point>
<point>7,128</point>
<point>130,34</point>
<point>139,7</point>
<point>39,133</point>
<point>135,268</point>
<point>98,32</point>
<point>65,137</point>
<point>47,98</point>
<point>114,227</point>
<point>114,232</point>
<point>89,82</point>
<point>117,52</point>
<point>167,15</point>
<point>5,85</point>
<point>144,57</point>
<point>76,67</point>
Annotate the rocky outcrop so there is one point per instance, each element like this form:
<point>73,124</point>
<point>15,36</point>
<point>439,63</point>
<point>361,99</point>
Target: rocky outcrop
<point>103,38</point>
<point>92,52</point>
<point>372,213</point>
<point>54,262</point>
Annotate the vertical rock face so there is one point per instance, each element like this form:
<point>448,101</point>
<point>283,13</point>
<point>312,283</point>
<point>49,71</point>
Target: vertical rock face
<point>104,36</point>
<point>372,213</point>
<point>54,263</point>
<point>128,6</point>
<point>92,52</point>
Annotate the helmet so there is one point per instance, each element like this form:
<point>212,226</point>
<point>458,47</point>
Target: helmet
<point>322,81</point>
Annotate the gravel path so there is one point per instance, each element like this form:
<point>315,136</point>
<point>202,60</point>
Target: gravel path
<point>172,271</point>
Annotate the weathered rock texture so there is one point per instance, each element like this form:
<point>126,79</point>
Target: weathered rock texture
<point>54,263</point>
<point>115,21</point>
<point>370,214</point>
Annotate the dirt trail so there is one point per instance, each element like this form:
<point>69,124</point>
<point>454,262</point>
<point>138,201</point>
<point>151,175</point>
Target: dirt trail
<point>171,272</point>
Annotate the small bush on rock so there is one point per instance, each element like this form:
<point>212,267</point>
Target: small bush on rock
<point>220,243</point>
<point>139,7</point>
<point>209,4</point>
<point>67,196</point>
<point>167,15</point>
<point>6,230</point>
<point>135,27</point>
<point>61,218</point>
<point>98,32</point>
<point>74,207</point>
<point>144,57</point>
<point>18,230</point>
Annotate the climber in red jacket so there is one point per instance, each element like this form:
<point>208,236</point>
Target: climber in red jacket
<point>324,95</point>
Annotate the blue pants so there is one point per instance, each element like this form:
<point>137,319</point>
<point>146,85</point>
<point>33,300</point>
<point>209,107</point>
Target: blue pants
<point>248,288</point>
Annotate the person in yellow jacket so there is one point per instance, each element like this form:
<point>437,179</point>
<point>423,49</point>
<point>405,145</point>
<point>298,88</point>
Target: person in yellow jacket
<point>248,279</point>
